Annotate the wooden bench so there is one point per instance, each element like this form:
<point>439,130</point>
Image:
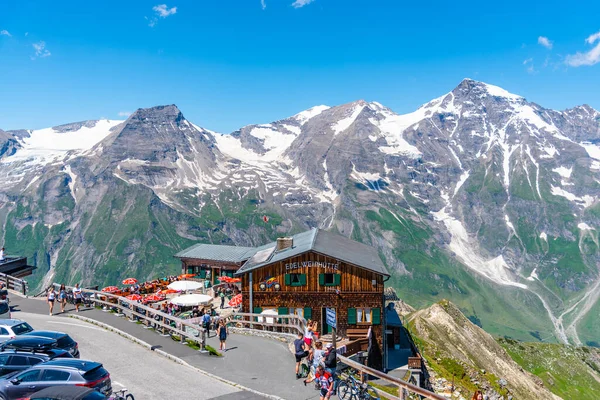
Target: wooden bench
<point>357,333</point>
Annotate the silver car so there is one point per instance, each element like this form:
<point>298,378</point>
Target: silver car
<point>11,328</point>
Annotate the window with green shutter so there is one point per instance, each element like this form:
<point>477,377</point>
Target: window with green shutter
<point>307,313</point>
<point>282,311</point>
<point>352,316</point>
<point>295,279</point>
<point>190,270</point>
<point>329,279</point>
<point>376,316</point>
<point>257,310</point>
<point>202,274</point>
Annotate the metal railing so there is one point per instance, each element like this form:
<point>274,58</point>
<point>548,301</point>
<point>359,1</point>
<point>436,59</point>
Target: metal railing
<point>405,389</point>
<point>16,284</point>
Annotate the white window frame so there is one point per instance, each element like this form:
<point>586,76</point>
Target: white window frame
<point>364,313</point>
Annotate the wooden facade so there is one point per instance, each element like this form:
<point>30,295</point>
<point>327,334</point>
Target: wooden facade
<point>308,283</point>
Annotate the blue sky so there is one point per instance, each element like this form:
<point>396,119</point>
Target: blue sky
<point>230,63</point>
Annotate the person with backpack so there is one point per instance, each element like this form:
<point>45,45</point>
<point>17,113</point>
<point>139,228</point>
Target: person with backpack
<point>222,295</point>
<point>300,351</point>
<point>222,332</point>
<point>206,322</point>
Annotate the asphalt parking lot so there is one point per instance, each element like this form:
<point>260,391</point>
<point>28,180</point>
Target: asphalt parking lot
<point>146,374</point>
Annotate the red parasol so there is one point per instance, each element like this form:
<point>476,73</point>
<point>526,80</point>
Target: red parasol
<point>130,281</point>
<point>235,280</point>
<point>153,298</point>
<point>185,276</point>
<point>235,301</point>
<point>224,278</point>
<point>111,289</point>
<point>134,297</point>
<point>168,291</point>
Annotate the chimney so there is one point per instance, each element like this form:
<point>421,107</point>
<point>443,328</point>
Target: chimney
<point>284,243</point>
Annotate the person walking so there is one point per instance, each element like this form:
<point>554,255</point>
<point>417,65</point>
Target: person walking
<point>222,295</point>
<point>78,296</point>
<point>62,297</point>
<point>2,254</point>
<point>300,351</point>
<point>50,298</point>
<point>222,332</point>
<point>316,356</point>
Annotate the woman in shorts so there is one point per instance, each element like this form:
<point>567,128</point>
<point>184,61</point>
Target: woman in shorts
<point>78,296</point>
<point>62,297</point>
<point>50,298</point>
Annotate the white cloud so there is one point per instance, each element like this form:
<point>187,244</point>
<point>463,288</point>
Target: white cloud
<point>301,3</point>
<point>544,41</point>
<point>40,50</point>
<point>124,113</point>
<point>588,58</point>
<point>163,11</point>
<point>263,4</point>
<point>4,32</point>
<point>530,68</point>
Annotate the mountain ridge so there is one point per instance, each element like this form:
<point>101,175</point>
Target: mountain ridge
<point>478,189</point>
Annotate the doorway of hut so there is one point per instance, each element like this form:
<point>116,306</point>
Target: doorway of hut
<point>325,328</point>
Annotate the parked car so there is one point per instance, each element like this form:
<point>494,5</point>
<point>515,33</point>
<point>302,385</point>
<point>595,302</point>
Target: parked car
<point>4,309</point>
<point>57,372</point>
<point>17,360</point>
<point>29,343</point>
<point>67,393</point>
<point>63,340</point>
<point>11,328</point>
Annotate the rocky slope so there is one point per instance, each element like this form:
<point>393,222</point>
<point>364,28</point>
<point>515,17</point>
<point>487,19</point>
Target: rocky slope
<point>478,196</point>
<point>458,351</point>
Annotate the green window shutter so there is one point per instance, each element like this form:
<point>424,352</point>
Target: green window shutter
<point>352,316</point>
<point>190,270</point>
<point>288,279</point>
<point>282,311</point>
<point>321,279</point>
<point>202,273</point>
<point>307,313</point>
<point>337,279</point>
<point>257,310</point>
<point>376,316</point>
<point>302,279</point>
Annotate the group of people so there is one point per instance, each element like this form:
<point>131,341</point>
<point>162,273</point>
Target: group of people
<point>322,362</point>
<point>224,291</point>
<point>60,297</point>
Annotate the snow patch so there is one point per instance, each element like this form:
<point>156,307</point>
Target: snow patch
<point>585,200</point>
<point>584,227</point>
<point>461,180</point>
<point>563,171</point>
<point>304,116</point>
<point>533,275</point>
<point>343,124</point>
<point>543,236</point>
<point>67,170</point>
<point>593,150</point>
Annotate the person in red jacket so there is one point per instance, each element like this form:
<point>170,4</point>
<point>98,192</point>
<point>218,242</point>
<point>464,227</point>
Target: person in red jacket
<point>325,382</point>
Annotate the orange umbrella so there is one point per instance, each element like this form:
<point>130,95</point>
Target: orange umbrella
<point>111,289</point>
<point>168,291</point>
<point>130,281</point>
<point>235,280</point>
<point>235,301</point>
<point>134,297</point>
<point>153,298</point>
<point>185,276</point>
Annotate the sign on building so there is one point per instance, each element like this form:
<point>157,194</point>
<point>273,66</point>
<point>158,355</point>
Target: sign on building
<point>330,317</point>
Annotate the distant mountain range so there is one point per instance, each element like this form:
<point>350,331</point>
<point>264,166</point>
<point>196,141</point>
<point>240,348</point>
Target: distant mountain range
<point>479,196</point>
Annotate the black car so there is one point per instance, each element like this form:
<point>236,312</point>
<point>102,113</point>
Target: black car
<point>29,343</point>
<point>68,393</point>
<point>57,372</point>
<point>15,360</point>
<point>63,341</point>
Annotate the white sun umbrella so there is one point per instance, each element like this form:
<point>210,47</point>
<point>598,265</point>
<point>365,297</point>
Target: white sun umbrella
<point>269,311</point>
<point>185,285</point>
<point>191,300</point>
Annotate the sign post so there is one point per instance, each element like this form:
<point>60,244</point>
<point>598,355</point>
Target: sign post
<point>331,320</point>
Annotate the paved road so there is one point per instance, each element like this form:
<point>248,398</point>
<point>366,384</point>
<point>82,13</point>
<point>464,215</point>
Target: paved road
<point>146,374</point>
<point>260,364</point>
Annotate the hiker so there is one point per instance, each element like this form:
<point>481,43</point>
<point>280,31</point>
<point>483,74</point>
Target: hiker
<point>325,380</point>
<point>222,332</point>
<point>78,297</point>
<point>300,351</point>
<point>308,333</point>
<point>222,295</point>
<point>62,297</point>
<point>50,298</point>
<point>316,356</point>
<point>206,322</point>
<point>477,395</point>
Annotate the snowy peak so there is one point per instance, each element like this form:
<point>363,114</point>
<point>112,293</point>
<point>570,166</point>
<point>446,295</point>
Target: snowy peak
<point>482,89</point>
<point>306,115</point>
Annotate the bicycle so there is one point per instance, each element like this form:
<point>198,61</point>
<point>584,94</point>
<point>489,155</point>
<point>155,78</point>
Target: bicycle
<point>351,389</point>
<point>122,395</point>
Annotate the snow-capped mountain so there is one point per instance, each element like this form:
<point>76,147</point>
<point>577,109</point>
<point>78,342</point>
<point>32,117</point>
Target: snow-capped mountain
<point>478,196</point>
